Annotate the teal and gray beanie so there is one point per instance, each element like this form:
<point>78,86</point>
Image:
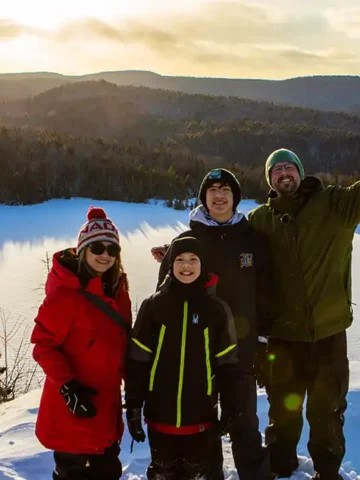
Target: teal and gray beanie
<point>225,177</point>
<point>283,155</point>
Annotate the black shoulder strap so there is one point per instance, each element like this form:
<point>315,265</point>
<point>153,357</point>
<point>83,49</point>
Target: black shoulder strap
<point>107,309</point>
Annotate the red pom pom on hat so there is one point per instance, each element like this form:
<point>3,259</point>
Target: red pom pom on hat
<point>95,213</point>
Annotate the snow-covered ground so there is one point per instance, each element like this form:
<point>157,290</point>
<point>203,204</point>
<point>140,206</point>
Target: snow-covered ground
<point>30,232</point>
<point>23,458</point>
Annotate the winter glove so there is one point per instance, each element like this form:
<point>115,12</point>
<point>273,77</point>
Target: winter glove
<point>158,253</point>
<point>262,365</point>
<point>77,397</point>
<point>226,423</point>
<point>220,428</point>
<point>133,417</point>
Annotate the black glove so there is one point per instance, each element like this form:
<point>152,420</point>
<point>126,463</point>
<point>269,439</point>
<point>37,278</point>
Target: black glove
<point>220,428</point>
<point>133,417</point>
<point>77,397</point>
<point>226,423</point>
<point>262,365</point>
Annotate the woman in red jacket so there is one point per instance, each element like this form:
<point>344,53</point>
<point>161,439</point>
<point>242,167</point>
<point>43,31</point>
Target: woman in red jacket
<point>81,350</point>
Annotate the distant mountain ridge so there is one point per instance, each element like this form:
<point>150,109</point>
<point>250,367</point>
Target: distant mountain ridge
<point>319,92</point>
<point>101,108</point>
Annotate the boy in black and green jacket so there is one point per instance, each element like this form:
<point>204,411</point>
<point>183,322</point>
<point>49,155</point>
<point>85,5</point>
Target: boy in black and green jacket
<point>183,352</point>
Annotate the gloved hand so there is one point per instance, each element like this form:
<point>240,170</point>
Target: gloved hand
<point>226,423</point>
<point>220,428</point>
<point>77,397</point>
<point>159,252</point>
<point>262,365</point>
<point>133,417</point>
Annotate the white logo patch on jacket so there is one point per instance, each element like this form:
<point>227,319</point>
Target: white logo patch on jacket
<point>195,319</point>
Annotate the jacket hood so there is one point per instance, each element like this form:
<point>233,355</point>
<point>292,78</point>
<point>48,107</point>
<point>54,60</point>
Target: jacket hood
<point>64,274</point>
<point>201,215</point>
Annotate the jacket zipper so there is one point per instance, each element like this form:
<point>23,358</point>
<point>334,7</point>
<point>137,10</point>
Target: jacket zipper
<point>207,361</point>
<point>182,364</point>
<point>293,248</point>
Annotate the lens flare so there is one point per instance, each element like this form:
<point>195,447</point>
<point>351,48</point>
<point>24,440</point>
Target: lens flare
<point>293,402</point>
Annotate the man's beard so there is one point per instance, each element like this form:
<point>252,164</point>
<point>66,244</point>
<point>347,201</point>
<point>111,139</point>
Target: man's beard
<point>287,188</point>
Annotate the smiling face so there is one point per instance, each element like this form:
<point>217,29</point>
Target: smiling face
<point>187,267</point>
<point>220,202</point>
<point>99,263</point>
<point>285,178</point>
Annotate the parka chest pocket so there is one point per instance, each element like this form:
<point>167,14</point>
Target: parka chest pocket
<point>312,216</point>
<point>84,333</point>
<point>80,341</point>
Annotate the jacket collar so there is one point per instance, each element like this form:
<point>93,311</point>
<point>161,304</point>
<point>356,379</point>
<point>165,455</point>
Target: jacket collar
<point>64,274</point>
<point>292,204</point>
<point>214,230</point>
<point>208,288</point>
<point>201,215</point>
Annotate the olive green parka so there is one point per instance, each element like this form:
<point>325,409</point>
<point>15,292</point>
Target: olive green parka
<point>310,236</point>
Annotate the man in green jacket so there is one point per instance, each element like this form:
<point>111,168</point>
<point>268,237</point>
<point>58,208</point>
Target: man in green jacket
<point>310,229</point>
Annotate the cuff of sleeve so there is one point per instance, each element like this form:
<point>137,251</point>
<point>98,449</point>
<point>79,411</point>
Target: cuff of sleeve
<point>131,403</point>
<point>262,340</point>
<point>58,383</point>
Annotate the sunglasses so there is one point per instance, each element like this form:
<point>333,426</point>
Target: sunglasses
<point>99,248</point>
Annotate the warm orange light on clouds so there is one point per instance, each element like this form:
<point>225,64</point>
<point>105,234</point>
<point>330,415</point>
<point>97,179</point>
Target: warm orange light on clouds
<point>223,38</point>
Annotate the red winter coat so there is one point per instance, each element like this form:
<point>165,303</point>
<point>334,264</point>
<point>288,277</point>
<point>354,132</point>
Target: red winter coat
<point>74,339</point>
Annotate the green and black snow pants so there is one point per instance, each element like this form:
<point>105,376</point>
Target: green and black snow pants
<point>320,370</point>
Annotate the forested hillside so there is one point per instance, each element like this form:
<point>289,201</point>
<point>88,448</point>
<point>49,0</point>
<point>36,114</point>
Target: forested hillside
<point>96,139</point>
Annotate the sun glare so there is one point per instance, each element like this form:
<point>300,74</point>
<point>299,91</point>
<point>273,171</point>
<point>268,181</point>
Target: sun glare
<point>44,15</point>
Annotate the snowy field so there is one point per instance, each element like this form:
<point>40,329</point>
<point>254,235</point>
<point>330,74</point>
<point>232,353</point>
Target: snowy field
<point>28,233</point>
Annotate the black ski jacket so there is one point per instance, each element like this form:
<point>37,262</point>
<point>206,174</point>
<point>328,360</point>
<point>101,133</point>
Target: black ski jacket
<point>182,353</point>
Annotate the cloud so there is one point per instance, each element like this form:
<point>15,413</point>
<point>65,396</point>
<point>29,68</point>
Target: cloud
<point>346,20</point>
<point>325,57</point>
<point>227,23</point>
<point>221,22</point>
<point>223,33</point>
<point>275,61</point>
<point>10,29</point>
<point>219,38</point>
<point>124,33</point>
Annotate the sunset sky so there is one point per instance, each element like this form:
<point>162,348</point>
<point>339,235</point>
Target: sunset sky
<point>223,38</point>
